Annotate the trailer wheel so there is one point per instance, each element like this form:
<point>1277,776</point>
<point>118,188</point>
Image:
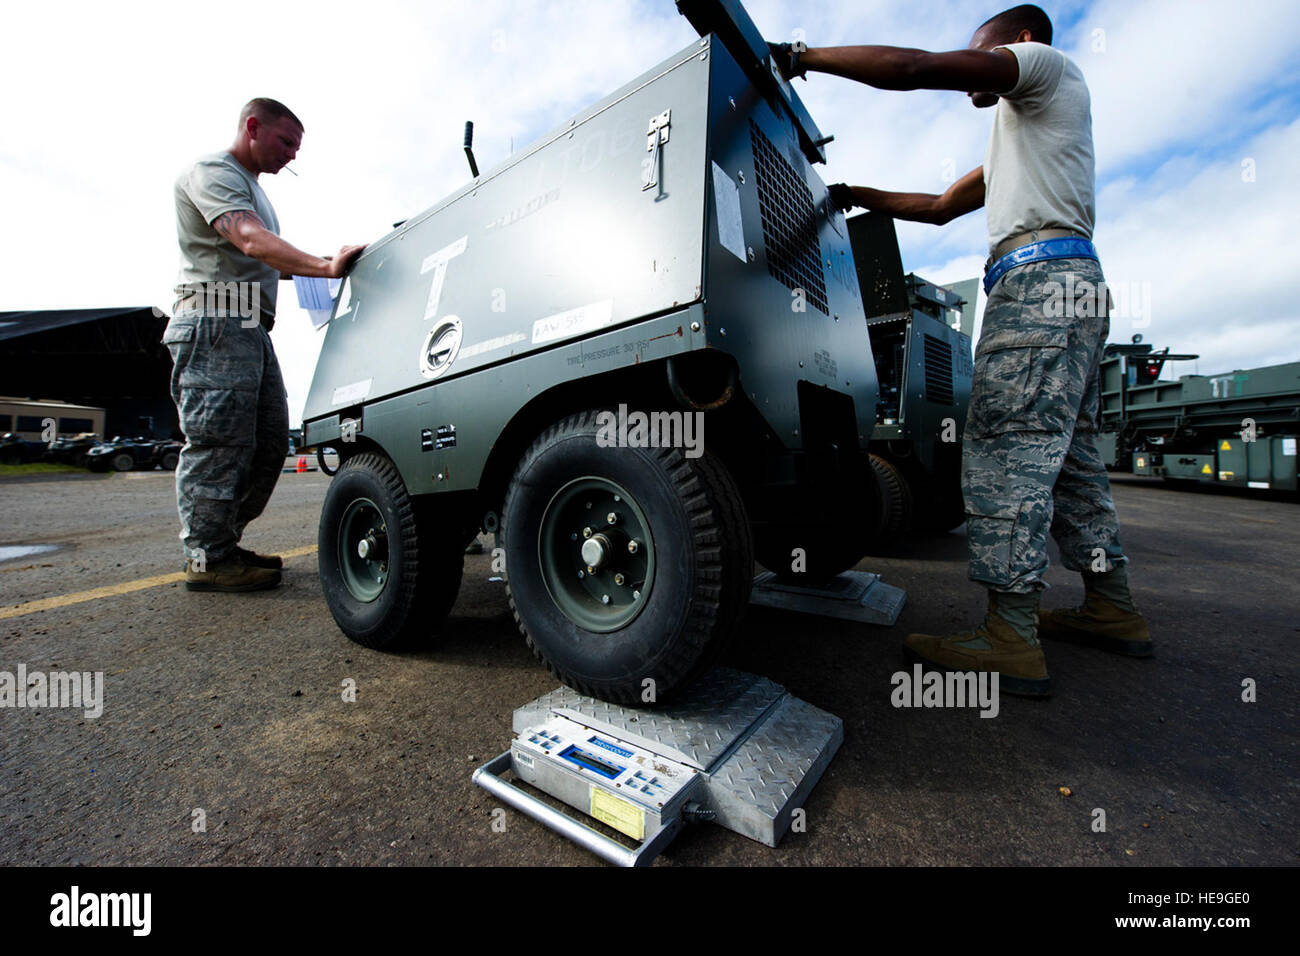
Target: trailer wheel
<point>633,609</point>
<point>170,460</point>
<point>122,462</point>
<point>390,569</point>
<point>895,498</point>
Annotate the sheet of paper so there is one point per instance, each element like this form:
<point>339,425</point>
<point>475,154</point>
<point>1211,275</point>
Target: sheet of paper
<point>731,229</point>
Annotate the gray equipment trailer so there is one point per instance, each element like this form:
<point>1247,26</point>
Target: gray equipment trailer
<point>669,251</point>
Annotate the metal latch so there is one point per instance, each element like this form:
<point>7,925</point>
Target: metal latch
<point>656,135</point>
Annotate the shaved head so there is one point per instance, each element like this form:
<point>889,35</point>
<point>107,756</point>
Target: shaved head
<point>1008,24</point>
<point>267,111</point>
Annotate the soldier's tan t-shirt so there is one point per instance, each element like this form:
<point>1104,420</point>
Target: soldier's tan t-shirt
<point>213,186</point>
<point>1039,169</point>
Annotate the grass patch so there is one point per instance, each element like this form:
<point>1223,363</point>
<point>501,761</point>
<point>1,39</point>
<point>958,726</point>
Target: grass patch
<point>38,468</point>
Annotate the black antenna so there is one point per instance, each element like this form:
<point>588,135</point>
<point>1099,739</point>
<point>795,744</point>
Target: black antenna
<point>469,147</point>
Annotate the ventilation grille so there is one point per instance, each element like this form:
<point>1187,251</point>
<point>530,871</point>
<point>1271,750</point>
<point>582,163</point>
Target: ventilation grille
<point>789,222</point>
<point>938,370</point>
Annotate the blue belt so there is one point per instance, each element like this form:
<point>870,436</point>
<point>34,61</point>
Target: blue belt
<point>1065,248</point>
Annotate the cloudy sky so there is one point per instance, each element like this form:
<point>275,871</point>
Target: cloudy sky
<point>1195,103</point>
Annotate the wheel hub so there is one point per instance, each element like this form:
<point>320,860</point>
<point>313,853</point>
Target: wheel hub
<point>595,551</point>
<point>374,544</point>
<point>599,579</point>
<point>363,550</point>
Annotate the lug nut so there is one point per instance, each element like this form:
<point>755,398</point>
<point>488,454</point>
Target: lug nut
<point>586,532</point>
<point>604,599</point>
<point>632,546</point>
<point>581,575</point>
<point>611,518</point>
<point>636,595</point>
<point>590,569</point>
<point>619,579</point>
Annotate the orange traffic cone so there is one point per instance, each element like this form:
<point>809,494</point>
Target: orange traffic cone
<point>302,464</point>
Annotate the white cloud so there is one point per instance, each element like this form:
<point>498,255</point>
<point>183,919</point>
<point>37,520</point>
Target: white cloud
<point>1174,73</point>
<point>1216,251</point>
<point>106,103</point>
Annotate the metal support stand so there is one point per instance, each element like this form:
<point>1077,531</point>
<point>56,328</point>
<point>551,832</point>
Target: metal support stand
<point>852,596</point>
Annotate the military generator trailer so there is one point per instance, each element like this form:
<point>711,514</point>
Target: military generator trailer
<point>1236,430</point>
<point>667,253</point>
<point>923,367</point>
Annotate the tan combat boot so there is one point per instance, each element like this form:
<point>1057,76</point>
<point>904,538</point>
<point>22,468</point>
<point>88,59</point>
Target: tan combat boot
<point>993,645</point>
<point>256,560</point>
<point>230,574</point>
<point>1100,624</point>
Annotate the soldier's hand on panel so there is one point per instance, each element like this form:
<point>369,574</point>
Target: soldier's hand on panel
<point>841,196</point>
<point>340,263</point>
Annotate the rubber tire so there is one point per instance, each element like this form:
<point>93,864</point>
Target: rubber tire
<point>170,460</point>
<point>704,564</point>
<point>122,462</point>
<point>425,560</point>
<point>896,505</point>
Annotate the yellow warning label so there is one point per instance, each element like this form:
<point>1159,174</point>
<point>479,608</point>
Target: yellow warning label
<point>1225,446</point>
<point>1226,476</point>
<point>1207,470</point>
<point>618,813</point>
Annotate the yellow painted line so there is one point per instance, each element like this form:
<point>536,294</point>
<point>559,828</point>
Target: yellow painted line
<point>112,590</point>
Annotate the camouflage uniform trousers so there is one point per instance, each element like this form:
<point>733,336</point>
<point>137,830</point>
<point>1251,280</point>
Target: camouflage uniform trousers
<point>1030,464</point>
<point>234,412</point>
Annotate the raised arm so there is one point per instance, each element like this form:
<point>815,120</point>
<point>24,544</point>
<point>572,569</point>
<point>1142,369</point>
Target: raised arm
<point>246,231</point>
<point>900,68</point>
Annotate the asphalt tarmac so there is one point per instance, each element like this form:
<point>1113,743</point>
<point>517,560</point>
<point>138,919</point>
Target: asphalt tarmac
<point>228,710</point>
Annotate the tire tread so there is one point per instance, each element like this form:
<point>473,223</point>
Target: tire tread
<point>724,572</point>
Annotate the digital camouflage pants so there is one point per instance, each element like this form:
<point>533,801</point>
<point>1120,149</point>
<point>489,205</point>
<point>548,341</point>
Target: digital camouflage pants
<point>1030,464</point>
<point>234,412</point>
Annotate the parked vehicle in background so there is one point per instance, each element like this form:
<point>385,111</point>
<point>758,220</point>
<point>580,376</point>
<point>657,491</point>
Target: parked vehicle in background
<point>73,450</point>
<point>1238,429</point>
<point>126,454</point>
<point>16,450</point>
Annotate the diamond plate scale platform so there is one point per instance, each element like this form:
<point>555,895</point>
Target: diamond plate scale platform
<point>852,596</point>
<point>737,750</point>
